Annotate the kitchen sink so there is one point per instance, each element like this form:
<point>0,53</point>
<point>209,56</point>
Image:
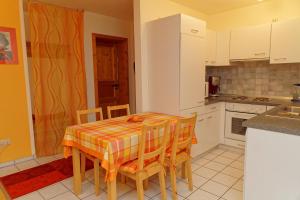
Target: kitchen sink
<point>291,112</point>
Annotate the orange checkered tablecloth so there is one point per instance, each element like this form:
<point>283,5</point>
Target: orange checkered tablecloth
<point>113,141</point>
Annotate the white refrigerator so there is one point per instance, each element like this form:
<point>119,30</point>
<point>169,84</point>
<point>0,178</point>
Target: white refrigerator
<point>176,60</point>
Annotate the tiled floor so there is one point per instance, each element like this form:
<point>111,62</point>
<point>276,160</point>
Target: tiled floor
<point>217,175</point>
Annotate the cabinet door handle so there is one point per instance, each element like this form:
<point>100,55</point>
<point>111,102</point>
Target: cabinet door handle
<point>260,54</point>
<point>194,31</point>
<point>278,59</point>
<point>210,117</point>
<point>200,120</point>
<point>213,108</point>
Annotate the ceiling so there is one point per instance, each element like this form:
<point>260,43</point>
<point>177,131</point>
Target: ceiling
<point>216,6</point>
<point>122,9</point>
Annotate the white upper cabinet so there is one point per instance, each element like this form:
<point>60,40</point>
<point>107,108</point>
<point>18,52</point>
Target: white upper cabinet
<point>217,48</point>
<point>223,46</point>
<point>250,43</point>
<point>210,47</point>
<point>192,26</point>
<point>285,42</point>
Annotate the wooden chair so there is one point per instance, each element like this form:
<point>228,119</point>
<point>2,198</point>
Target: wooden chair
<point>150,161</point>
<point>83,155</point>
<point>117,108</point>
<point>180,153</point>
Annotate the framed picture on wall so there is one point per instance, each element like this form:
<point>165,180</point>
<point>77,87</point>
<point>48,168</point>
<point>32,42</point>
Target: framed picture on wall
<point>8,46</point>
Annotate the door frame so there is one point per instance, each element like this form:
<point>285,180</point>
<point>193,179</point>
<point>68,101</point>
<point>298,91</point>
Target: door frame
<point>96,36</point>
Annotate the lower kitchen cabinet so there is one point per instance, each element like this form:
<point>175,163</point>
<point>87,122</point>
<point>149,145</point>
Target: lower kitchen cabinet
<point>208,130</point>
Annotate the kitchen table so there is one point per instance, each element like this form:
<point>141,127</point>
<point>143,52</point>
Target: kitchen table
<point>113,141</point>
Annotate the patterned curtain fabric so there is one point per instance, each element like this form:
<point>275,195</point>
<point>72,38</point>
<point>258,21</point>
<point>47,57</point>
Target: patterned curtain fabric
<point>58,72</point>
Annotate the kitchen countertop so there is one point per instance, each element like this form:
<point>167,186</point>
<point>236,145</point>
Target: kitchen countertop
<point>265,121</point>
<point>268,122</point>
<point>230,99</point>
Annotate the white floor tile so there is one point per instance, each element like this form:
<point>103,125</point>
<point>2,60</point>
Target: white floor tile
<point>233,194</point>
<point>4,171</point>
<point>195,166</point>
<point>210,156</point>
<point>233,172</point>
<point>102,196</point>
<point>239,185</point>
<point>183,189</point>
<point>205,172</point>
<point>131,195</point>
<point>87,189</point>
<point>218,151</point>
<point>215,188</point>
<point>153,190</point>
<point>215,166</point>
<point>66,196</point>
<point>201,161</point>
<point>122,188</point>
<point>202,195</point>
<point>169,196</point>
<point>197,180</point>
<point>231,155</point>
<point>223,160</point>
<point>225,179</point>
<point>241,159</point>
<point>53,190</point>
<point>31,196</point>
<point>27,165</point>
<point>237,165</point>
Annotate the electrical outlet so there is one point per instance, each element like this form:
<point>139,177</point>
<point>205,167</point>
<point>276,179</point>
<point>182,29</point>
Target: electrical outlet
<point>5,142</point>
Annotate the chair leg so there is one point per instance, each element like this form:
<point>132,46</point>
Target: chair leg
<point>183,170</point>
<point>123,179</point>
<point>162,184</point>
<point>97,176</point>
<point>146,184</point>
<point>189,174</point>
<point>139,187</point>
<point>82,166</point>
<point>173,183</point>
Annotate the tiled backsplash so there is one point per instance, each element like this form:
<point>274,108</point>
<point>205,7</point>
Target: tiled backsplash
<point>257,78</point>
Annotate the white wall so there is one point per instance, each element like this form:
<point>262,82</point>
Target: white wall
<point>96,23</point>
<point>145,11</point>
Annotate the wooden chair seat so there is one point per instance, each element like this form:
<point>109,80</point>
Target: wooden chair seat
<point>149,163</point>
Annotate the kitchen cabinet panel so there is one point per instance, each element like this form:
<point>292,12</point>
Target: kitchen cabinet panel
<point>191,72</point>
<point>285,42</point>
<point>250,43</point>
<point>210,47</point>
<point>208,130</point>
<point>223,46</point>
<point>217,48</point>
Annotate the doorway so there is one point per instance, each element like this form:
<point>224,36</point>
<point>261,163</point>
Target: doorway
<point>111,78</point>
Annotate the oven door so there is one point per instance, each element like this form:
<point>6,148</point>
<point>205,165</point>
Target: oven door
<point>233,126</point>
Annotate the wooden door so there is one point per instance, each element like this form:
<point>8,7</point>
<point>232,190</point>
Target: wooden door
<point>111,72</point>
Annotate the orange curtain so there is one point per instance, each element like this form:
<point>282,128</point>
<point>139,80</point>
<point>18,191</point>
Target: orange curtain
<point>58,72</point>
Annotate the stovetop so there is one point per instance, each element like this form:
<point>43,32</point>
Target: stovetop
<point>245,98</point>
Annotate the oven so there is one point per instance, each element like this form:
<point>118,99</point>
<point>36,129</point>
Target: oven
<point>236,114</point>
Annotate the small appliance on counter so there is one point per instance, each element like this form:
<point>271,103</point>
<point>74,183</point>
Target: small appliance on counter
<point>296,93</point>
<point>214,85</point>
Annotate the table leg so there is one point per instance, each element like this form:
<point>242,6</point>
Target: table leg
<point>76,171</point>
<point>112,189</point>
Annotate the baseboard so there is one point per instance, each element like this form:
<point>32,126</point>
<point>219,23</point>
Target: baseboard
<point>9,163</point>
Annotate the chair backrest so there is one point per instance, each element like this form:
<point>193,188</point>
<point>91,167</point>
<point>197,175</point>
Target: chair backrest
<point>183,136</point>
<point>155,148</point>
<point>89,111</point>
<point>117,108</point>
